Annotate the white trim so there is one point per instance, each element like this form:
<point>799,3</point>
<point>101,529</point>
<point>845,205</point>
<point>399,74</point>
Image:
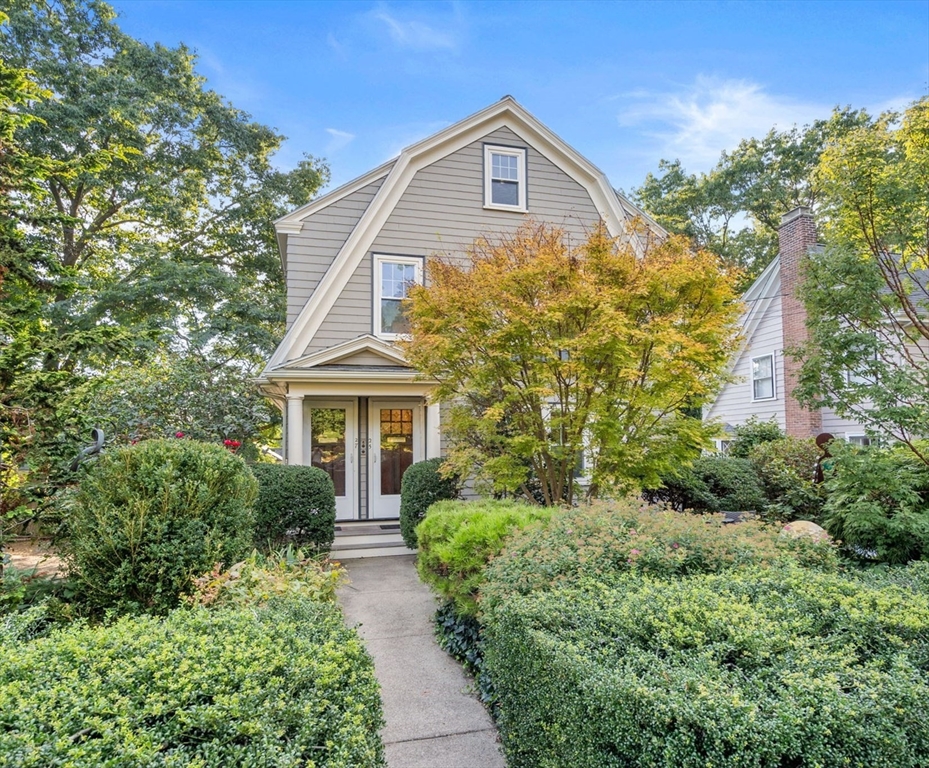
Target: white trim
<point>616,211</point>
<point>346,349</point>
<point>433,431</point>
<point>379,260</point>
<point>773,377</point>
<point>294,428</point>
<point>521,155</point>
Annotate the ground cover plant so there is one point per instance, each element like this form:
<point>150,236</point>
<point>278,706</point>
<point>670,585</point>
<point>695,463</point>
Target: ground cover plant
<point>751,667</point>
<point>260,671</point>
<point>294,504</point>
<point>149,517</point>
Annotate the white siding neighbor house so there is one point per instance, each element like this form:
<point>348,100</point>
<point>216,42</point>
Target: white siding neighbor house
<point>775,320</point>
<point>351,404</point>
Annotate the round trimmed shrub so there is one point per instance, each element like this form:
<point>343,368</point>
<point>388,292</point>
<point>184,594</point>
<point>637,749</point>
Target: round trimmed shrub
<point>294,503</point>
<point>753,432</point>
<point>148,517</point>
<point>712,484</point>
<point>421,487</point>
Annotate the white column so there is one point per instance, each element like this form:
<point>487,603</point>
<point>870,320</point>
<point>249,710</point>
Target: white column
<point>433,434</point>
<point>294,429</point>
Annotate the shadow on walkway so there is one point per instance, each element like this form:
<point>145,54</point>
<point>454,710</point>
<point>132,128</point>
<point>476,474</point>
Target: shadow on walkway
<point>433,721</point>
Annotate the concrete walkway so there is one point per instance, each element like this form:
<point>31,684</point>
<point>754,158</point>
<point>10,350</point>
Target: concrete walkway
<point>433,721</point>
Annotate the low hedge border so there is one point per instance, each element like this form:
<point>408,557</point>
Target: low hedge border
<point>284,685</point>
<point>756,667</point>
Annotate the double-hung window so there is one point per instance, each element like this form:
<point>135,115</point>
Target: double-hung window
<point>393,277</point>
<point>763,378</point>
<point>505,178</point>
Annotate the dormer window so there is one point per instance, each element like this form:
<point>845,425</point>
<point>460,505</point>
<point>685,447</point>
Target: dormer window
<point>393,277</point>
<point>505,178</point>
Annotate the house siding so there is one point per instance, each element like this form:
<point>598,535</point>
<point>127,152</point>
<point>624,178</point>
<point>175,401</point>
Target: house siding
<point>312,251</point>
<point>442,210</point>
<point>734,404</point>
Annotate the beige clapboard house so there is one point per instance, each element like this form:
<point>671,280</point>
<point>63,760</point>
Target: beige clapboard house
<point>351,404</point>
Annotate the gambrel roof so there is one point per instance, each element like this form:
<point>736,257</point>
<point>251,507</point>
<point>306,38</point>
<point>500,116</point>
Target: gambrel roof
<point>615,209</point>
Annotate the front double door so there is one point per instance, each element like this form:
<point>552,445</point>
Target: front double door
<point>365,458</point>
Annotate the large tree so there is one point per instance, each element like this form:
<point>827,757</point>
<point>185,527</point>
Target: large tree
<point>547,352</point>
<point>867,294</point>
<point>149,233</point>
<point>736,208</point>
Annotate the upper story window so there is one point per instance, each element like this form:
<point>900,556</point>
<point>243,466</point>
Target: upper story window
<point>763,378</point>
<point>505,178</point>
<point>393,277</point>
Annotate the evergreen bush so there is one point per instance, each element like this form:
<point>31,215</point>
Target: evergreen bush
<point>294,503</point>
<point>421,487</point>
<point>457,539</point>
<point>753,432</point>
<point>785,468</point>
<point>149,517</point>
<point>771,667</point>
<point>712,484</point>
<point>286,684</point>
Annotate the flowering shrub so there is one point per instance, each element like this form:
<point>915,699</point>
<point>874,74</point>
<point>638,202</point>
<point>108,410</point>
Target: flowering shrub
<point>609,539</point>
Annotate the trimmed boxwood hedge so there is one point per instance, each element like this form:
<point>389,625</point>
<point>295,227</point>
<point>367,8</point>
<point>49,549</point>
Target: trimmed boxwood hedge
<point>294,503</point>
<point>421,487</point>
<point>286,684</point>
<point>756,667</point>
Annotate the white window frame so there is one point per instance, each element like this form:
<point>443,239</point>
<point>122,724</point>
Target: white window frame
<point>384,258</point>
<point>773,378</point>
<point>849,438</point>
<point>521,157</point>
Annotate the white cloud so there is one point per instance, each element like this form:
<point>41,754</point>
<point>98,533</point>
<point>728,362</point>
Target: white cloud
<point>339,140</point>
<point>696,123</point>
<point>416,35</point>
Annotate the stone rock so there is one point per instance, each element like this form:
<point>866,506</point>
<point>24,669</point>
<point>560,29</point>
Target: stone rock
<point>805,529</point>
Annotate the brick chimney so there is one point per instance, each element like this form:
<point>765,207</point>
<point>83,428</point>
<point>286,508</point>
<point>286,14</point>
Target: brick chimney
<point>796,236</point>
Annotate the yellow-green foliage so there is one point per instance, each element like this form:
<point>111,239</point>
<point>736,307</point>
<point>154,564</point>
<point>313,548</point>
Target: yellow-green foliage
<point>286,684</point>
<point>458,538</point>
<point>607,539</point>
<point>753,667</point>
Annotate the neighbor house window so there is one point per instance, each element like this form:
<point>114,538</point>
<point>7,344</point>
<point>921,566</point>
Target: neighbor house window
<point>393,277</point>
<point>763,377</point>
<point>505,178</point>
<point>861,440</point>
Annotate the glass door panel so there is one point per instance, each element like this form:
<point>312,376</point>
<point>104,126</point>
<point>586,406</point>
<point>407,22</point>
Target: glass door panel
<point>327,444</point>
<point>396,447</point>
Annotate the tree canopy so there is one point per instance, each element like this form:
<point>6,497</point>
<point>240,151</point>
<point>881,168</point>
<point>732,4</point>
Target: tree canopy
<point>735,209</point>
<point>145,229</point>
<point>867,294</point>
<point>549,352</point>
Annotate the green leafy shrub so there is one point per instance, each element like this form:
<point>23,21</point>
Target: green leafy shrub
<point>609,539</point>
<point>296,503</point>
<point>772,667</point>
<point>711,484</point>
<point>785,468</point>
<point>753,432</point>
<point>283,685</point>
<point>421,487</point>
<point>878,503</point>
<point>457,539</point>
<point>150,516</point>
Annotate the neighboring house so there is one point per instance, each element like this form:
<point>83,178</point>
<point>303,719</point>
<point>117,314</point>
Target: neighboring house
<point>351,404</point>
<point>775,320</point>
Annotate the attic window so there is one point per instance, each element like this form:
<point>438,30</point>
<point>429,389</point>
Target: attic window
<point>394,275</point>
<point>505,178</point>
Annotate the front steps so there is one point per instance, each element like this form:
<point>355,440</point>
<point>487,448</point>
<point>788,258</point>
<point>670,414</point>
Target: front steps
<point>367,538</point>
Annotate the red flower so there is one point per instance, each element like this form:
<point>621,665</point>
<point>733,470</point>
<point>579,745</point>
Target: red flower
<point>178,434</point>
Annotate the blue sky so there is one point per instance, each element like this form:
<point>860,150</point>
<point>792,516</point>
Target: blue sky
<point>625,83</point>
